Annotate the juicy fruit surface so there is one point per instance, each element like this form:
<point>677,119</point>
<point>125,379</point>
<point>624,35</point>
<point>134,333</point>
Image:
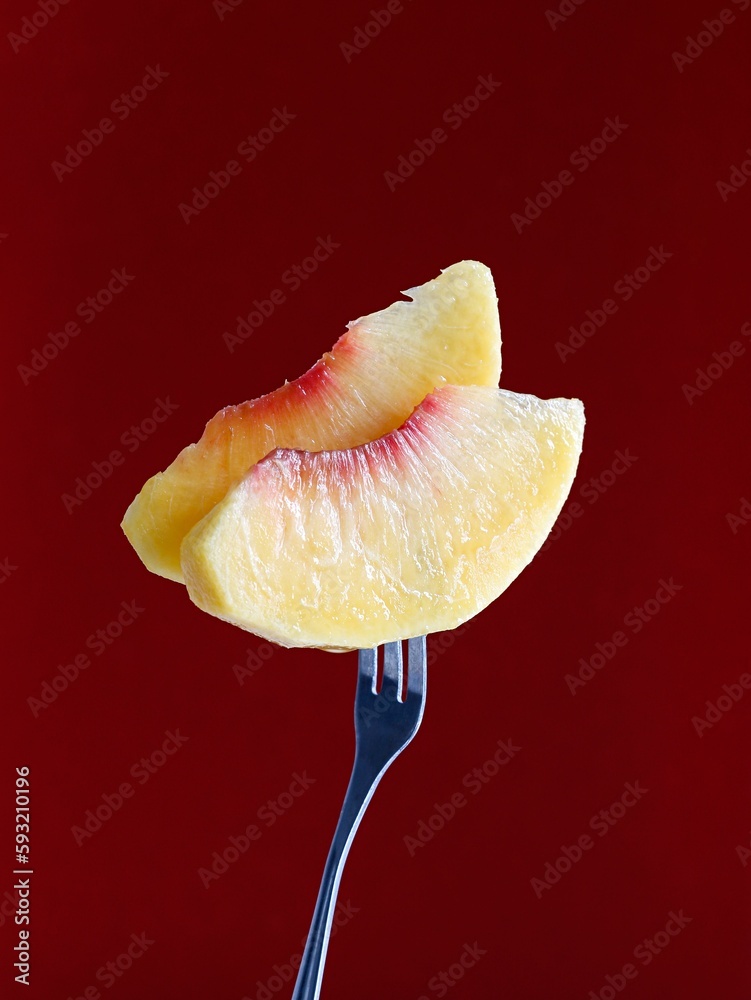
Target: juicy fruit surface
<point>367,385</point>
<point>415,532</point>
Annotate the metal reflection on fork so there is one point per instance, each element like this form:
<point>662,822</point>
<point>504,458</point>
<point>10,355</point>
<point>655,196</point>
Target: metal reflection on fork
<point>385,722</point>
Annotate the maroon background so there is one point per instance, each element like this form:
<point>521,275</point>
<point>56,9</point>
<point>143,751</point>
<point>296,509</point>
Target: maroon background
<point>504,677</point>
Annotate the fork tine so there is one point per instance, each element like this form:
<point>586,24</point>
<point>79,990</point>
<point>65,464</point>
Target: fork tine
<point>367,662</point>
<point>417,668</point>
<point>391,688</point>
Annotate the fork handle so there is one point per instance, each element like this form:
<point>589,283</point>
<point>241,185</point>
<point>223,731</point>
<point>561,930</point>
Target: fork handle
<point>360,790</point>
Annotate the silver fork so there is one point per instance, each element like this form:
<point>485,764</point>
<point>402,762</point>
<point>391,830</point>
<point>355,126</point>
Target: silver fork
<point>384,725</point>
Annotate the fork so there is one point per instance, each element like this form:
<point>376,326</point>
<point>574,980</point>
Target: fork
<point>384,724</point>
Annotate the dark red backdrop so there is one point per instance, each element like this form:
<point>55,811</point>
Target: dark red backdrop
<point>219,74</point>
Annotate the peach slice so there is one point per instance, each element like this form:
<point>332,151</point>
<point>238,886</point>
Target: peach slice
<point>415,532</point>
<point>368,384</point>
